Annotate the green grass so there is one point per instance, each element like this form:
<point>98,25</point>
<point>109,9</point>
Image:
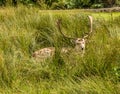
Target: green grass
<point>24,30</point>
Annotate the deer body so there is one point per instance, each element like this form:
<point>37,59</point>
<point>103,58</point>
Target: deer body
<point>45,52</point>
<point>48,52</point>
<point>80,44</point>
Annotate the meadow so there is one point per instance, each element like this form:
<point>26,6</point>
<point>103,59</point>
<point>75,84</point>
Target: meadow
<point>24,30</point>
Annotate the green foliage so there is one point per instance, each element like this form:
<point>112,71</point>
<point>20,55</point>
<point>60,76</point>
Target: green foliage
<point>118,3</point>
<point>77,3</point>
<point>81,3</point>
<point>62,4</point>
<point>25,1</point>
<point>97,6</point>
<point>59,5</point>
<point>2,2</point>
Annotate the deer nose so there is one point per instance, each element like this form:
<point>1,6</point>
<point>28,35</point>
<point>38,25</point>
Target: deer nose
<point>82,48</point>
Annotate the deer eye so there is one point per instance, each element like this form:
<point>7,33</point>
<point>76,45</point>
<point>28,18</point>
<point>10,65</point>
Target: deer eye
<point>79,40</point>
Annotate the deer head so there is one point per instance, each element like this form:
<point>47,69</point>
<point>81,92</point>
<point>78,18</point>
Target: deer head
<point>79,42</point>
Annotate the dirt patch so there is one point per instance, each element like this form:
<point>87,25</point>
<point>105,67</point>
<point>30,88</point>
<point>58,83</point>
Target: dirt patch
<point>114,9</point>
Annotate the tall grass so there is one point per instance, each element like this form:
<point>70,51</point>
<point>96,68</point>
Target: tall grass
<point>24,30</point>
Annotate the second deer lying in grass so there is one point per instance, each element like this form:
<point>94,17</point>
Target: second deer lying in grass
<point>80,43</point>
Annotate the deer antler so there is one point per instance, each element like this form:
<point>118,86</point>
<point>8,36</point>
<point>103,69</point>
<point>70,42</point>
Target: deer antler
<point>59,28</point>
<point>91,21</point>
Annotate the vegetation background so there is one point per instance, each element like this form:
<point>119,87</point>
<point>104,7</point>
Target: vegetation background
<point>63,4</point>
<point>25,28</point>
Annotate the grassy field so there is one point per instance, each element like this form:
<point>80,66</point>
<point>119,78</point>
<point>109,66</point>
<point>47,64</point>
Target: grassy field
<point>24,30</point>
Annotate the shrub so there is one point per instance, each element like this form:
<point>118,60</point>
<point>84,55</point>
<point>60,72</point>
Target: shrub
<point>97,6</point>
<point>59,5</point>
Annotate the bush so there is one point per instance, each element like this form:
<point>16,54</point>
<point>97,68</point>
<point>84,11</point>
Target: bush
<point>2,2</point>
<point>59,5</point>
<point>97,6</point>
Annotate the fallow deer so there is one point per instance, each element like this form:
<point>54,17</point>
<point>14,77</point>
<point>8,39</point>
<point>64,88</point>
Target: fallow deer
<point>80,43</point>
